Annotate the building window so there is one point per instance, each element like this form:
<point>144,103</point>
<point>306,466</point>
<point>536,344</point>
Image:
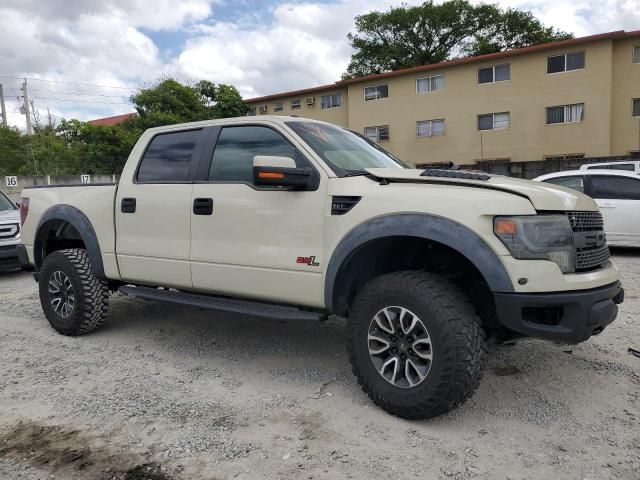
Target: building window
<point>252,111</point>
<point>430,84</point>
<point>331,101</point>
<point>493,121</point>
<point>495,73</point>
<point>636,54</point>
<point>430,128</point>
<point>378,133</point>
<point>565,156</point>
<point>278,107</point>
<point>565,62</point>
<point>565,113</point>
<point>636,108</point>
<point>295,104</point>
<point>375,92</point>
<point>262,109</point>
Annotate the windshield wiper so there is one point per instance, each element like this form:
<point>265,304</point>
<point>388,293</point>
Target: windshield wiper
<point>356,174</point>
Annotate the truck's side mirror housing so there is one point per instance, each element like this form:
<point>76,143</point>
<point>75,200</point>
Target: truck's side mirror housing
<point>272,171</point>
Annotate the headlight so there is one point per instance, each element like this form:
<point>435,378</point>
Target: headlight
<point>542,237</point>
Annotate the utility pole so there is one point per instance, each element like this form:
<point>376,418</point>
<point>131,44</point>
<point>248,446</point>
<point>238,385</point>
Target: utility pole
<point>3,110</point>
<point>25,97</point>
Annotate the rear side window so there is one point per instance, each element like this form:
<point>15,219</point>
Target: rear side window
<point>168,157</point>
<point>236,147</point>
<point>619,188</point>
<point>630,167</point>
<point>576,183</point>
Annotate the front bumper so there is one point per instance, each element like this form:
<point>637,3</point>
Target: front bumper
<point>9,257</point>
<point>570,317</point>
<point>23,258</point>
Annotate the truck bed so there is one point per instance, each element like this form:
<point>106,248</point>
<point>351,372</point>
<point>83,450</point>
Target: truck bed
<point>95,201</point>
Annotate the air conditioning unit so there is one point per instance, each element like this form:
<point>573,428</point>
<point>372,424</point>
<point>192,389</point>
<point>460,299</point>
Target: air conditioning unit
<point>262,109</point>
<point>310,100</point>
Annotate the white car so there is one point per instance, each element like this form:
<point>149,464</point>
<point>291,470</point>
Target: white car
<point>9,233</point>
<point>617,194</point>
<point>629,166</point>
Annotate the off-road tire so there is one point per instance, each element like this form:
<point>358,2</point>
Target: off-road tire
<point>91,294</point>
<point>457,336</point>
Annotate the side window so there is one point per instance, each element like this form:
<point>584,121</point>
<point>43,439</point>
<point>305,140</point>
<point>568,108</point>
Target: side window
<point>576,183</point>
<point>168,157</point>
<point>613,187</point>
<point>629,167</point>
<point>236,147</point>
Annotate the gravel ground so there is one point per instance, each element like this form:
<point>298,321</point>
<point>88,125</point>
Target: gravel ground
<point>171,393</point>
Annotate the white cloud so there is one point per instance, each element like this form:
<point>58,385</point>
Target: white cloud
<point>262,50</point>
<point>305,44</point>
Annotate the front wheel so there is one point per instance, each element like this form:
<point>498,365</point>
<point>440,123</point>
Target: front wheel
<point>73,299</point>
<point>416,344</point>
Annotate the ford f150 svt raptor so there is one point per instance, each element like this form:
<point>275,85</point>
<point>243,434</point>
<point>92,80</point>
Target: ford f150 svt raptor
<point>290,218</point>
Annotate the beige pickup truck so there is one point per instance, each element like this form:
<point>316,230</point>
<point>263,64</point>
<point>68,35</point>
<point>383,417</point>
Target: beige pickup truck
<point>288,218</point>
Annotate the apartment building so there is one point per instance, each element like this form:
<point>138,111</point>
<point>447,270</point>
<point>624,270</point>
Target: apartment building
<point>570,99</point>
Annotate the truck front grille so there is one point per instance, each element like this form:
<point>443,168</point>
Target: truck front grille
<point>590,258</point>
<point>9,231</point>
<point>588,233</point>
<point>586,221</point>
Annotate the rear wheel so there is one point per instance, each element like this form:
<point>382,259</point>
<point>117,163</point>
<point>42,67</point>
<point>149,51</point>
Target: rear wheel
<point>416,344</point>
<point>74,300</point>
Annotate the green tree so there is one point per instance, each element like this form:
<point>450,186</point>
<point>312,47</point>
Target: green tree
<point>169,102</point>
<point>403,37</point>
<point>13,154</point>
<point>75,147</point>
<point>224,101</point>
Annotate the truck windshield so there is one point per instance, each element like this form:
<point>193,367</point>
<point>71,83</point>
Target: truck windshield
<point>5,203</point>
<point>345,151</point>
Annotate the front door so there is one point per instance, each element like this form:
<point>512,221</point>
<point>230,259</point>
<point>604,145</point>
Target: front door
<point>618,198</point>
<point>153,211</point>
<point>263,243</point>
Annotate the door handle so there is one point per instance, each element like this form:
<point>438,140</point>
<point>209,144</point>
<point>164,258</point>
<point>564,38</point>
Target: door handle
<point>128,205</point>
<point>202,206</point>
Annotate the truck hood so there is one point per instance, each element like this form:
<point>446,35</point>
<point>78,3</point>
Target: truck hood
<point>543,196</point>
<point>9,216</point>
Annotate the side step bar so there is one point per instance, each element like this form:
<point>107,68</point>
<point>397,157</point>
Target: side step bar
<point>258,309</point>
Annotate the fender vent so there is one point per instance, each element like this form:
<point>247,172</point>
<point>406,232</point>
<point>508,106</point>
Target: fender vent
<point>341,205</point>
<point>466,175</point>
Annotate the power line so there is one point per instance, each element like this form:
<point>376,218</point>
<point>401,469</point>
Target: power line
<point>72,93</point>
<point>80,101</point>
<point>69,83</point>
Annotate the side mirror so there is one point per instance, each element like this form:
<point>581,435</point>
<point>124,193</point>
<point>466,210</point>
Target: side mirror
<point>272,171</point>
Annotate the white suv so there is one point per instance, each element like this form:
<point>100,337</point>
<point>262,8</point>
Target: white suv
<point>617,194</point>
<point>9,233</point>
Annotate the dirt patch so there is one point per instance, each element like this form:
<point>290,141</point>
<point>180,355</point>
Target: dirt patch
<point>70,453</point>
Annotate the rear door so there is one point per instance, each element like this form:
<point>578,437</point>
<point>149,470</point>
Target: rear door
<point>153,211</point>
<point>618,198</point>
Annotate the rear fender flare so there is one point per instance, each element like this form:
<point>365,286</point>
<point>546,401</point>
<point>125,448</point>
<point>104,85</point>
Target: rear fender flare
<point>77,220</point>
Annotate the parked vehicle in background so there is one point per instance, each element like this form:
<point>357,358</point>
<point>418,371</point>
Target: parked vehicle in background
<point>617,194</point>
<point>9,233</point>
<point>629,166</point>
<point>290,218</point>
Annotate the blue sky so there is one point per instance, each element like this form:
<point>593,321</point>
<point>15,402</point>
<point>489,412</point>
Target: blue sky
<point>260,46</point>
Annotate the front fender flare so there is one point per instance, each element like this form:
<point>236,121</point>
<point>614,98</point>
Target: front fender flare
<point>77,220</point>
<point>429,227</point>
